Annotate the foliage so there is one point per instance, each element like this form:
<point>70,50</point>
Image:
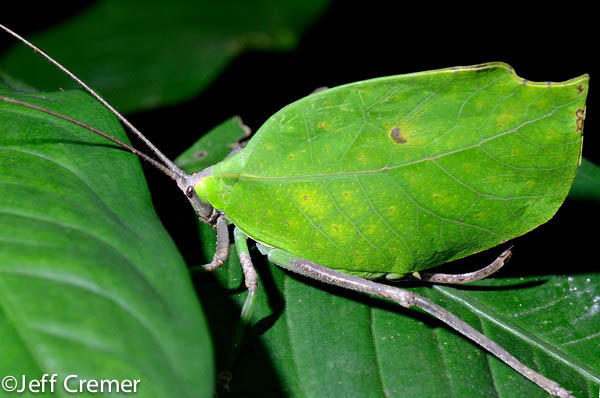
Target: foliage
<point>90,283</point>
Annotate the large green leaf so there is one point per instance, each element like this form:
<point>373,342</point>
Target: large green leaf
<point>90,283</point>
<point>144,54</point>
<point>312,340</point>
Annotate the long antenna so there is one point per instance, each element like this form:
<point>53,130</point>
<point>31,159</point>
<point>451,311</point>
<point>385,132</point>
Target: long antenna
<point>172,166</point>
<point>142,155</point>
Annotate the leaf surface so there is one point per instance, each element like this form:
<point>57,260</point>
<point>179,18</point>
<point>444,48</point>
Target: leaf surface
<point>90,282</point>
<point>587,183</point>
<point>144,54</point>
<point>213,146</point>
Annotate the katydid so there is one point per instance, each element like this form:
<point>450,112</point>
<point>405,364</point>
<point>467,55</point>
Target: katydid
<point>329,186</point>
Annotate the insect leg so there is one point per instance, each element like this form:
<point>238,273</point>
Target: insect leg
<point>408,299</point>
<point>250,278</point>
<point>469,276</point>
<point>251,281</point>
<point>222,251</point>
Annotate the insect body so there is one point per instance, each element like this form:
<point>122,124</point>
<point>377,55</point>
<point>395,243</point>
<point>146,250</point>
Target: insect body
<point>339,177</point>
<point>334,182</point>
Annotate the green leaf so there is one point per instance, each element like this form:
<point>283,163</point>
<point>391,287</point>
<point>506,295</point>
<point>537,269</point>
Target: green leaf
<point>144,54</point>
<point>90,282</point>
<point>587,182</point>
<point>214,145</point>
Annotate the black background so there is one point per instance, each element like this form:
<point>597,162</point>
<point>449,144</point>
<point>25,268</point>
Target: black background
<point>359,40</point>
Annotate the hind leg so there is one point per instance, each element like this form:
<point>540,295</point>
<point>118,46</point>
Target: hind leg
<point>469,276</point>
<point>454,279</point>
<point>408,299</point>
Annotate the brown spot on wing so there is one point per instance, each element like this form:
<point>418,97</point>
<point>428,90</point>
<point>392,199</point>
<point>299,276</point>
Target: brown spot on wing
<point>396,135</point>
<point>200,154</point>
<point>580,113</point>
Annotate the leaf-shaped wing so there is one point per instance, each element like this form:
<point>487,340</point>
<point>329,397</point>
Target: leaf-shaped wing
<point>407,172</point>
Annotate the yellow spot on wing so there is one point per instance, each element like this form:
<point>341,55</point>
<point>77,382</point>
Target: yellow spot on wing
<point>505,119</point>
<point>314,202</point>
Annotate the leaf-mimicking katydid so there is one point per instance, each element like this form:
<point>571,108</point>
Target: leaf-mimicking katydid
<point>329,186</point>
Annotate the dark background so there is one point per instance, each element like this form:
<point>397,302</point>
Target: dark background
<point>359,40</point>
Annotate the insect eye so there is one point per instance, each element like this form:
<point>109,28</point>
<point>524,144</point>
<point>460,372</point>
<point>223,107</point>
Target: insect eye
<point>189,192</point>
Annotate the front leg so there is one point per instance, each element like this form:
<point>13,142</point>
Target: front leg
<point>222,251</point>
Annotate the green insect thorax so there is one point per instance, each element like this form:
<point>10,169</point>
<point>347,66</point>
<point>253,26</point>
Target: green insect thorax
<point>216,184</point>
